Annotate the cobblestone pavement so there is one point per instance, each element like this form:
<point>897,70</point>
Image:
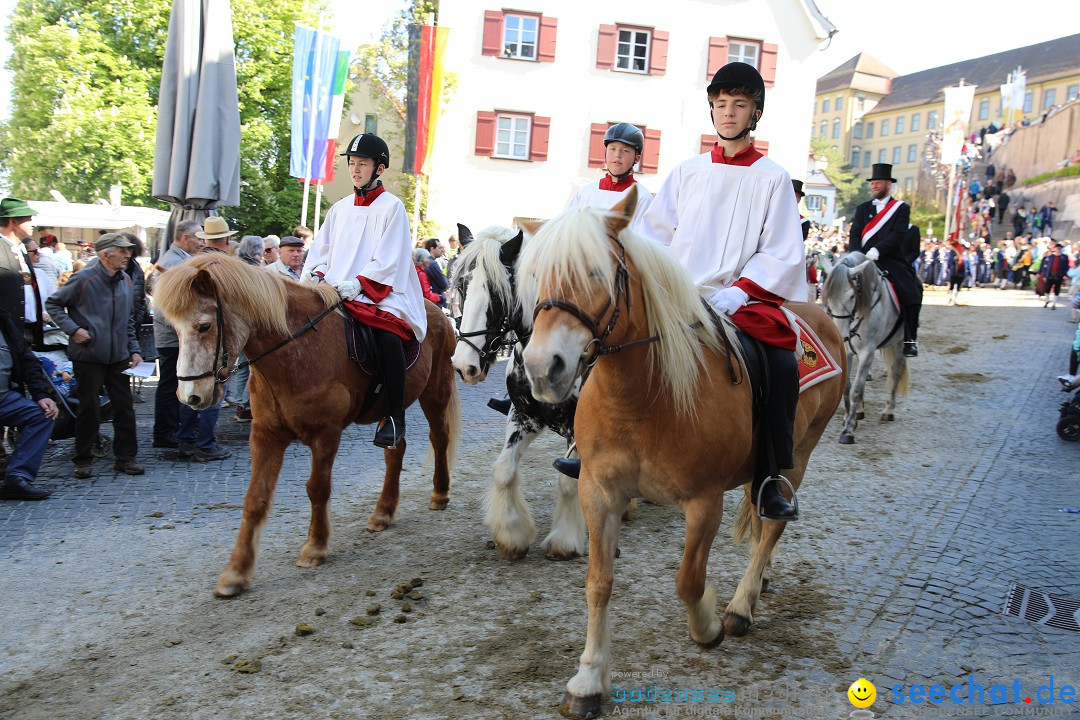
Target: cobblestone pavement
<point>898,572</point>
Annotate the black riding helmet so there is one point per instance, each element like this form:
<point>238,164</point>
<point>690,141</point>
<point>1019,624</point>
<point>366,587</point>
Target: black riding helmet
<point>744,76</point>
<point>627,134</point>
<point>369,145</point>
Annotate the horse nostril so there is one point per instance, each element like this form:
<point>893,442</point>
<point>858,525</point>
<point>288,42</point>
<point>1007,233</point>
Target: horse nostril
<point>193,400</point>
<point>557,367</point>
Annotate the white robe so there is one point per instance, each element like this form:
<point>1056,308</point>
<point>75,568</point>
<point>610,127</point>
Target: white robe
<point>592,196</point>
<point>723,222</point>
<point>373,242</point>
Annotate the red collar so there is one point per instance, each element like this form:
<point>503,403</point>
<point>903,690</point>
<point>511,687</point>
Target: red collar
<point>365,200</point>
<point>609,183</point>
<point>743,158</point>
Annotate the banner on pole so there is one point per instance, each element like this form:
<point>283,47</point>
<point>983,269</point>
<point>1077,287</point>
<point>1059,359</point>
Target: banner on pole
<point>317,65</point>
<point>958,101</point>
<point>429,94</point>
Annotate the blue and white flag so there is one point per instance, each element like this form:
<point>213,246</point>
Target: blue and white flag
<point>315,58</point>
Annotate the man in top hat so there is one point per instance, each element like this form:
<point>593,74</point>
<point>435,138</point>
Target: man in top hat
<point>880,230</point>
<point>216,233</point>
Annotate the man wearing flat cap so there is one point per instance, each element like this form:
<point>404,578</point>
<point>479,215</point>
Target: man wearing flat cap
<point>290,258</point>
<point>94,309</point>
<point>880,231</point>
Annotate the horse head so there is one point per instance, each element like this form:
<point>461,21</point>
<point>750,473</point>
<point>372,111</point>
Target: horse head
<point>483,288</point>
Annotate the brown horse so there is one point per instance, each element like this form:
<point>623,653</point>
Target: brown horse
<point>658,417</point>
<point>303,386</point>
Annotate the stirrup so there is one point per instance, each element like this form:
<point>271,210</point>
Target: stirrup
<point>392,442</point>
<point>794,498</point>
<point>570,467</point>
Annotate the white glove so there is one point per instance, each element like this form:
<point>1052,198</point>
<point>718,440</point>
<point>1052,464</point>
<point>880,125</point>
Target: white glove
<point>348,289</point>
<point>310,278</point>
<point>728,300</point>
<point>872,254</point>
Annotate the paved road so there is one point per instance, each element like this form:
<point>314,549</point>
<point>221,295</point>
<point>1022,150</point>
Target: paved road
<point>911,540</point>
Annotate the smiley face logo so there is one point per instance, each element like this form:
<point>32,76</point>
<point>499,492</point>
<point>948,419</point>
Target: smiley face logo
<point>862,693</point>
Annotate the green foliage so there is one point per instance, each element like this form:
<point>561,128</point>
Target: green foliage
<point>1063,172</point>
<point>850,190</point>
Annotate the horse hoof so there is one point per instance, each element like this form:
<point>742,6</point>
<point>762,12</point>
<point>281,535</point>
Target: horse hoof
<point>580,708</point>
<point>735,625</point>
<point>561,553</point>
<point>438,503</point>
<point>510,553</point>
<point>309,560</point>
<point>860,415</point>
<point>887,417</point>
<point>847,439</point>
<point>228,589</point>
<point>378,522</point>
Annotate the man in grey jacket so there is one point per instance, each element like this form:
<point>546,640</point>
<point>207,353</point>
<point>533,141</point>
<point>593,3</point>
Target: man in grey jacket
<point>94,309</point>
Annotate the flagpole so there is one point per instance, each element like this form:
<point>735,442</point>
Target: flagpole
<point>318,203</point>
<point>311,120</point>
<point>416,210</point>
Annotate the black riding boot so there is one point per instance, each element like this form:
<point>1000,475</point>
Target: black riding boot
<point>777,431</point>
<point>500,404</point>
<point>391,430</point>
<point>911,330</point>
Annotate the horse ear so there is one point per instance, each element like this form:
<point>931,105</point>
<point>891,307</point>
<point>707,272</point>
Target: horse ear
<point>203,284</point>
<point>510,249</point>
<point>530,226</point>
<point>464,234</point>
<point>625,211</point>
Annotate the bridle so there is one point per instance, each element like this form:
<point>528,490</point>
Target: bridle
<point>855,281</point>
<point>221,372</point>
<point>495,338</point>
<point>620,293</point>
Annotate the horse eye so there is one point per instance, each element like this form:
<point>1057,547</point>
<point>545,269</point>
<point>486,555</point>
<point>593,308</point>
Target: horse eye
<point>204,328</point>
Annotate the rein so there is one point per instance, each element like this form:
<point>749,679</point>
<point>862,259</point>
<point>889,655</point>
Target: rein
<point>853,329</point>
<point>510,322</point>
<point>221,373</point>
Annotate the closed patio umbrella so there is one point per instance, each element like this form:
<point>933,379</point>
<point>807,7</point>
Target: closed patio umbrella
<point>197,147</point>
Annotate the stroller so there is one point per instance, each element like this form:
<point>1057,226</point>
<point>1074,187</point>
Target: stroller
<point>68,405</point>
<point>1068,426</point>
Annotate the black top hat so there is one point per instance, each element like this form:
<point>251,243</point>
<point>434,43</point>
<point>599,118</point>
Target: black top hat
<point>882,171</point>
<point>797,184</point>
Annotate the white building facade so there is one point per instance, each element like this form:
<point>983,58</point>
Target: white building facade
<point>540,83</point>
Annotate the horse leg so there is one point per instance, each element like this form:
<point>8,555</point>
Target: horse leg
<point>443,413</point>
<point>739,613</point>
<point>755,536</point>
<point>702,520</point>
<point>323,451</point>
<point>388,498</point>
<point>895,361</point>
<point>854,399</point>
<point>567,537</point>
<point>267,453</point>
<point>506,513</point>
<point>586,690</point>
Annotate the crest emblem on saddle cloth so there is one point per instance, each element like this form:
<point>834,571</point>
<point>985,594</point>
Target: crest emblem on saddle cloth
<point>815,362</point>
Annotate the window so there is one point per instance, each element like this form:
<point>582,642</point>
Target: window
<point>517,36</point>
<point>632,52</point>
<point>869,130</point>
<point>1029,97</point>
<point>866,159</point>
<point>884,127</point>
<point>839,104</point>
<point>908,183</point>
<point>815,107</point>
<point>814,203</point>
<point>825,105</point>
<point>984,108</point>
<point>824,128</point>
<point>836,128</point>
<point>855,154</point>
<point>896,155</point>
<point>881,155</point>
<point>900,125</point>
<point>912,152</point>
<point>371,123</point>
<point>931,120</point>
<point>1048,98</point>
<point>856,130</point>
<point>1072,92</point>
<point>747,52</point>
<point>512,137</point>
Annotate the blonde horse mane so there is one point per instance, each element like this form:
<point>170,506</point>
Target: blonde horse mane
<point>259,297</point>
<point>573,250</point>
<point>482,257</point>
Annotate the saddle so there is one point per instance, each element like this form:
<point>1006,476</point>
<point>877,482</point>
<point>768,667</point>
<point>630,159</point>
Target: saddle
<point>756,368</point>
<point>360,344</point>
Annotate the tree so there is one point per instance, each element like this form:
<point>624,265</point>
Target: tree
<point>850,189</point>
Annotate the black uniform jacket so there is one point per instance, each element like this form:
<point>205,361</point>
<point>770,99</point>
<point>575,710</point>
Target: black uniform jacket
<point>890,241</point>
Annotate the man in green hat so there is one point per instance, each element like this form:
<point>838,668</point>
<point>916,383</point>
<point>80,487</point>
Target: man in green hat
<point>16,225</point>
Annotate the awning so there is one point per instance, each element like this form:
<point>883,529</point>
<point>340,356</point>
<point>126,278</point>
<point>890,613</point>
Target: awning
<point>99,217</point>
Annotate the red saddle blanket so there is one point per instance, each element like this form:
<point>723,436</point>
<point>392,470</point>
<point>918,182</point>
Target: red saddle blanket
<point>815,363</point>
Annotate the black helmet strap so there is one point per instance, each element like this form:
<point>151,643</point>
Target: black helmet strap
<point>749,128</point>
<point>370,185</point>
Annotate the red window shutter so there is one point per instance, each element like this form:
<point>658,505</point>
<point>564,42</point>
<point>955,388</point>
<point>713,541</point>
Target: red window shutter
<point>708,142</point>
<point>717,56</point>
<point>605,47</point>
<point>597,157</point>
<point>538,149</point>
<point>485,133</point>
<point>650,159</point>
<point>768,63</point>
<point>546,45</point>
<point>493,33</point>
<point>762,146</point>
<point>658,57</point>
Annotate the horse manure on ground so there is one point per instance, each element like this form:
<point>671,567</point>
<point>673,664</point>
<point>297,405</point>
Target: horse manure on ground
<point>374,609</point>
<point>406,608</point>
<point>968,377</point>
<point>956,350</point>
<point>400,619</point>
<point>363,621</point>
<point>248,666</point>
<point>369,593</point>
<point>304,629</point>
<point>414,595</point>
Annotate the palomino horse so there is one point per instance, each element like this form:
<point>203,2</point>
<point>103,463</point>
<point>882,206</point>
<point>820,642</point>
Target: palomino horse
<point>659,415</point>
<point>484,284</point>
<point>303,386</point>
<point>856,298</point>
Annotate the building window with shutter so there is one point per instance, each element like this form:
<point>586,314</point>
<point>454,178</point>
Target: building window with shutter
<point>746,52</point>
<point>519,36</point>
<point>512,137</point>
<point>632,51</point>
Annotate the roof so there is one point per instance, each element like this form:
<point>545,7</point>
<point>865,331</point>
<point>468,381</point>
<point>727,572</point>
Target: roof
<point>844,76</point>
<point>1042,61</point>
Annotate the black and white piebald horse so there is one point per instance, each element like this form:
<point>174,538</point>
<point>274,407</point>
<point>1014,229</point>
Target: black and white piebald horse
<point>484,288</point>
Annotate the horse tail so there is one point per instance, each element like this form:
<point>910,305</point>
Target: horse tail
<point>742,523</point>
<point>453,422</point>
